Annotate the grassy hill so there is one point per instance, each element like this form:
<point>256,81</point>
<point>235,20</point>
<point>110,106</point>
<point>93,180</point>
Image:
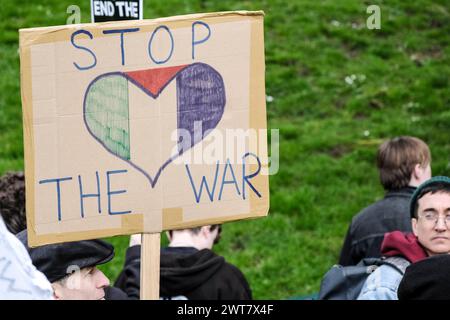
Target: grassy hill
<point>338,91</point>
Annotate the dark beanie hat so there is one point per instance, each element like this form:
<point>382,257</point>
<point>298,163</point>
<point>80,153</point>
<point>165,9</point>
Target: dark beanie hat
<point>57,260</point>
<point>428,279</point>
<point>439,180</point>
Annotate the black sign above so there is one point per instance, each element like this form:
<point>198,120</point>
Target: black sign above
<point>113,10</point>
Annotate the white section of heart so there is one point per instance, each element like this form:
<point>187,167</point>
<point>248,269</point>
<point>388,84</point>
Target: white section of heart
<point>151,124</point>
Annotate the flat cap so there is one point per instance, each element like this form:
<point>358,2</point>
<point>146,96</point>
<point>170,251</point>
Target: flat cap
<point>58,260</point>
<point>428,279</point>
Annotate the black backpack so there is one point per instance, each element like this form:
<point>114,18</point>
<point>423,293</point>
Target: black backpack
<point>345,283</point>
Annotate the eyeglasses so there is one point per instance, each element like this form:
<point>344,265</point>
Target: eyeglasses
<point>433,217</point>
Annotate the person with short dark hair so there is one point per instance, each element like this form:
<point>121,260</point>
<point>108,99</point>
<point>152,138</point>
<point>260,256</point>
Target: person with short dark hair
<point>189,268</point>
<point>12,201</point>
<point>403,164</point>
<point>430,219</point>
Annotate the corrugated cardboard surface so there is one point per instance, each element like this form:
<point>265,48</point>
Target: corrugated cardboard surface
<point>58,143</point>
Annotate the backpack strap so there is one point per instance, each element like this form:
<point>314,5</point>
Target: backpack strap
<point>398,263</point>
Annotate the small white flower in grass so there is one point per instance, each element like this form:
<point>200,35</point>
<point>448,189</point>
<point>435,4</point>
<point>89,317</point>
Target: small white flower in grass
<point>335,23</point>
<point>412,105</point>
<point>366,133</point>
<point>349,80</point>
<point>269,99</point>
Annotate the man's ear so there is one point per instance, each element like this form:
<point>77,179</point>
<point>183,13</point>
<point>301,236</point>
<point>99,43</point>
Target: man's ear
<point>56,291</point>
<point>414,226</point>
<point>205,231</point>
<point>418,171</point>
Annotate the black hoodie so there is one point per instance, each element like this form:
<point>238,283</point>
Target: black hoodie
<point>187,273</point>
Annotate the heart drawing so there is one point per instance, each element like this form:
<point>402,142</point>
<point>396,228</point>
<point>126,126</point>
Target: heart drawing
<point>200,95</point>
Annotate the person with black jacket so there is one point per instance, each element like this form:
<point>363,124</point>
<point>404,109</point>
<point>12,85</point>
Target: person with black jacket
<point>403,163</point>
<point>428,279</point>
<point>189,269</point>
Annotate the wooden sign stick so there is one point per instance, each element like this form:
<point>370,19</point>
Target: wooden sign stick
<point>150,257</point>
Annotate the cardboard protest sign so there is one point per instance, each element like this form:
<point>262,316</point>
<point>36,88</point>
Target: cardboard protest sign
<point>114,10</point>
<point>143,126</point>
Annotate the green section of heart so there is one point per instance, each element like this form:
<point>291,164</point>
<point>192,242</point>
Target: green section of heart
<point>107,114</point>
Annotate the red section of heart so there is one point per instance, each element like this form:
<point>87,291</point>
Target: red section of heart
<point>154,80</point>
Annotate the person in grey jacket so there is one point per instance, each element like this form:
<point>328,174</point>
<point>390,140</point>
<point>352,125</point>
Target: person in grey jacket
<point>403,163</point>
<point>430,219</point>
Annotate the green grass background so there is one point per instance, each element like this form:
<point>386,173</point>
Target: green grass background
<point>329,129</point>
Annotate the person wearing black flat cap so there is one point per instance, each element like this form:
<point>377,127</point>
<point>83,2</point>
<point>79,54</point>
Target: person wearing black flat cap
<point>428,279</point>
<point>71,267</point>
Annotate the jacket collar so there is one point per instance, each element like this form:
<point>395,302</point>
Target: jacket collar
<point>403,192</point>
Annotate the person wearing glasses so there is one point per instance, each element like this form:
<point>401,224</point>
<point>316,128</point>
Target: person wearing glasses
<point>430,220</point>
<point>189,268</point>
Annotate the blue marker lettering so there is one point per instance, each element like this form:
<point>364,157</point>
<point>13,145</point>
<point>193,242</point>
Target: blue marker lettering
<point>150,45</point>
<point>58,191</point>
<point>110,193</point>
<point>121,31</point>
<point>205,183</point>
<point>228,181</point>
<point>245,179</point>
<point>72,40</point>
<point>89,195</point>
<point>196,42</point>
